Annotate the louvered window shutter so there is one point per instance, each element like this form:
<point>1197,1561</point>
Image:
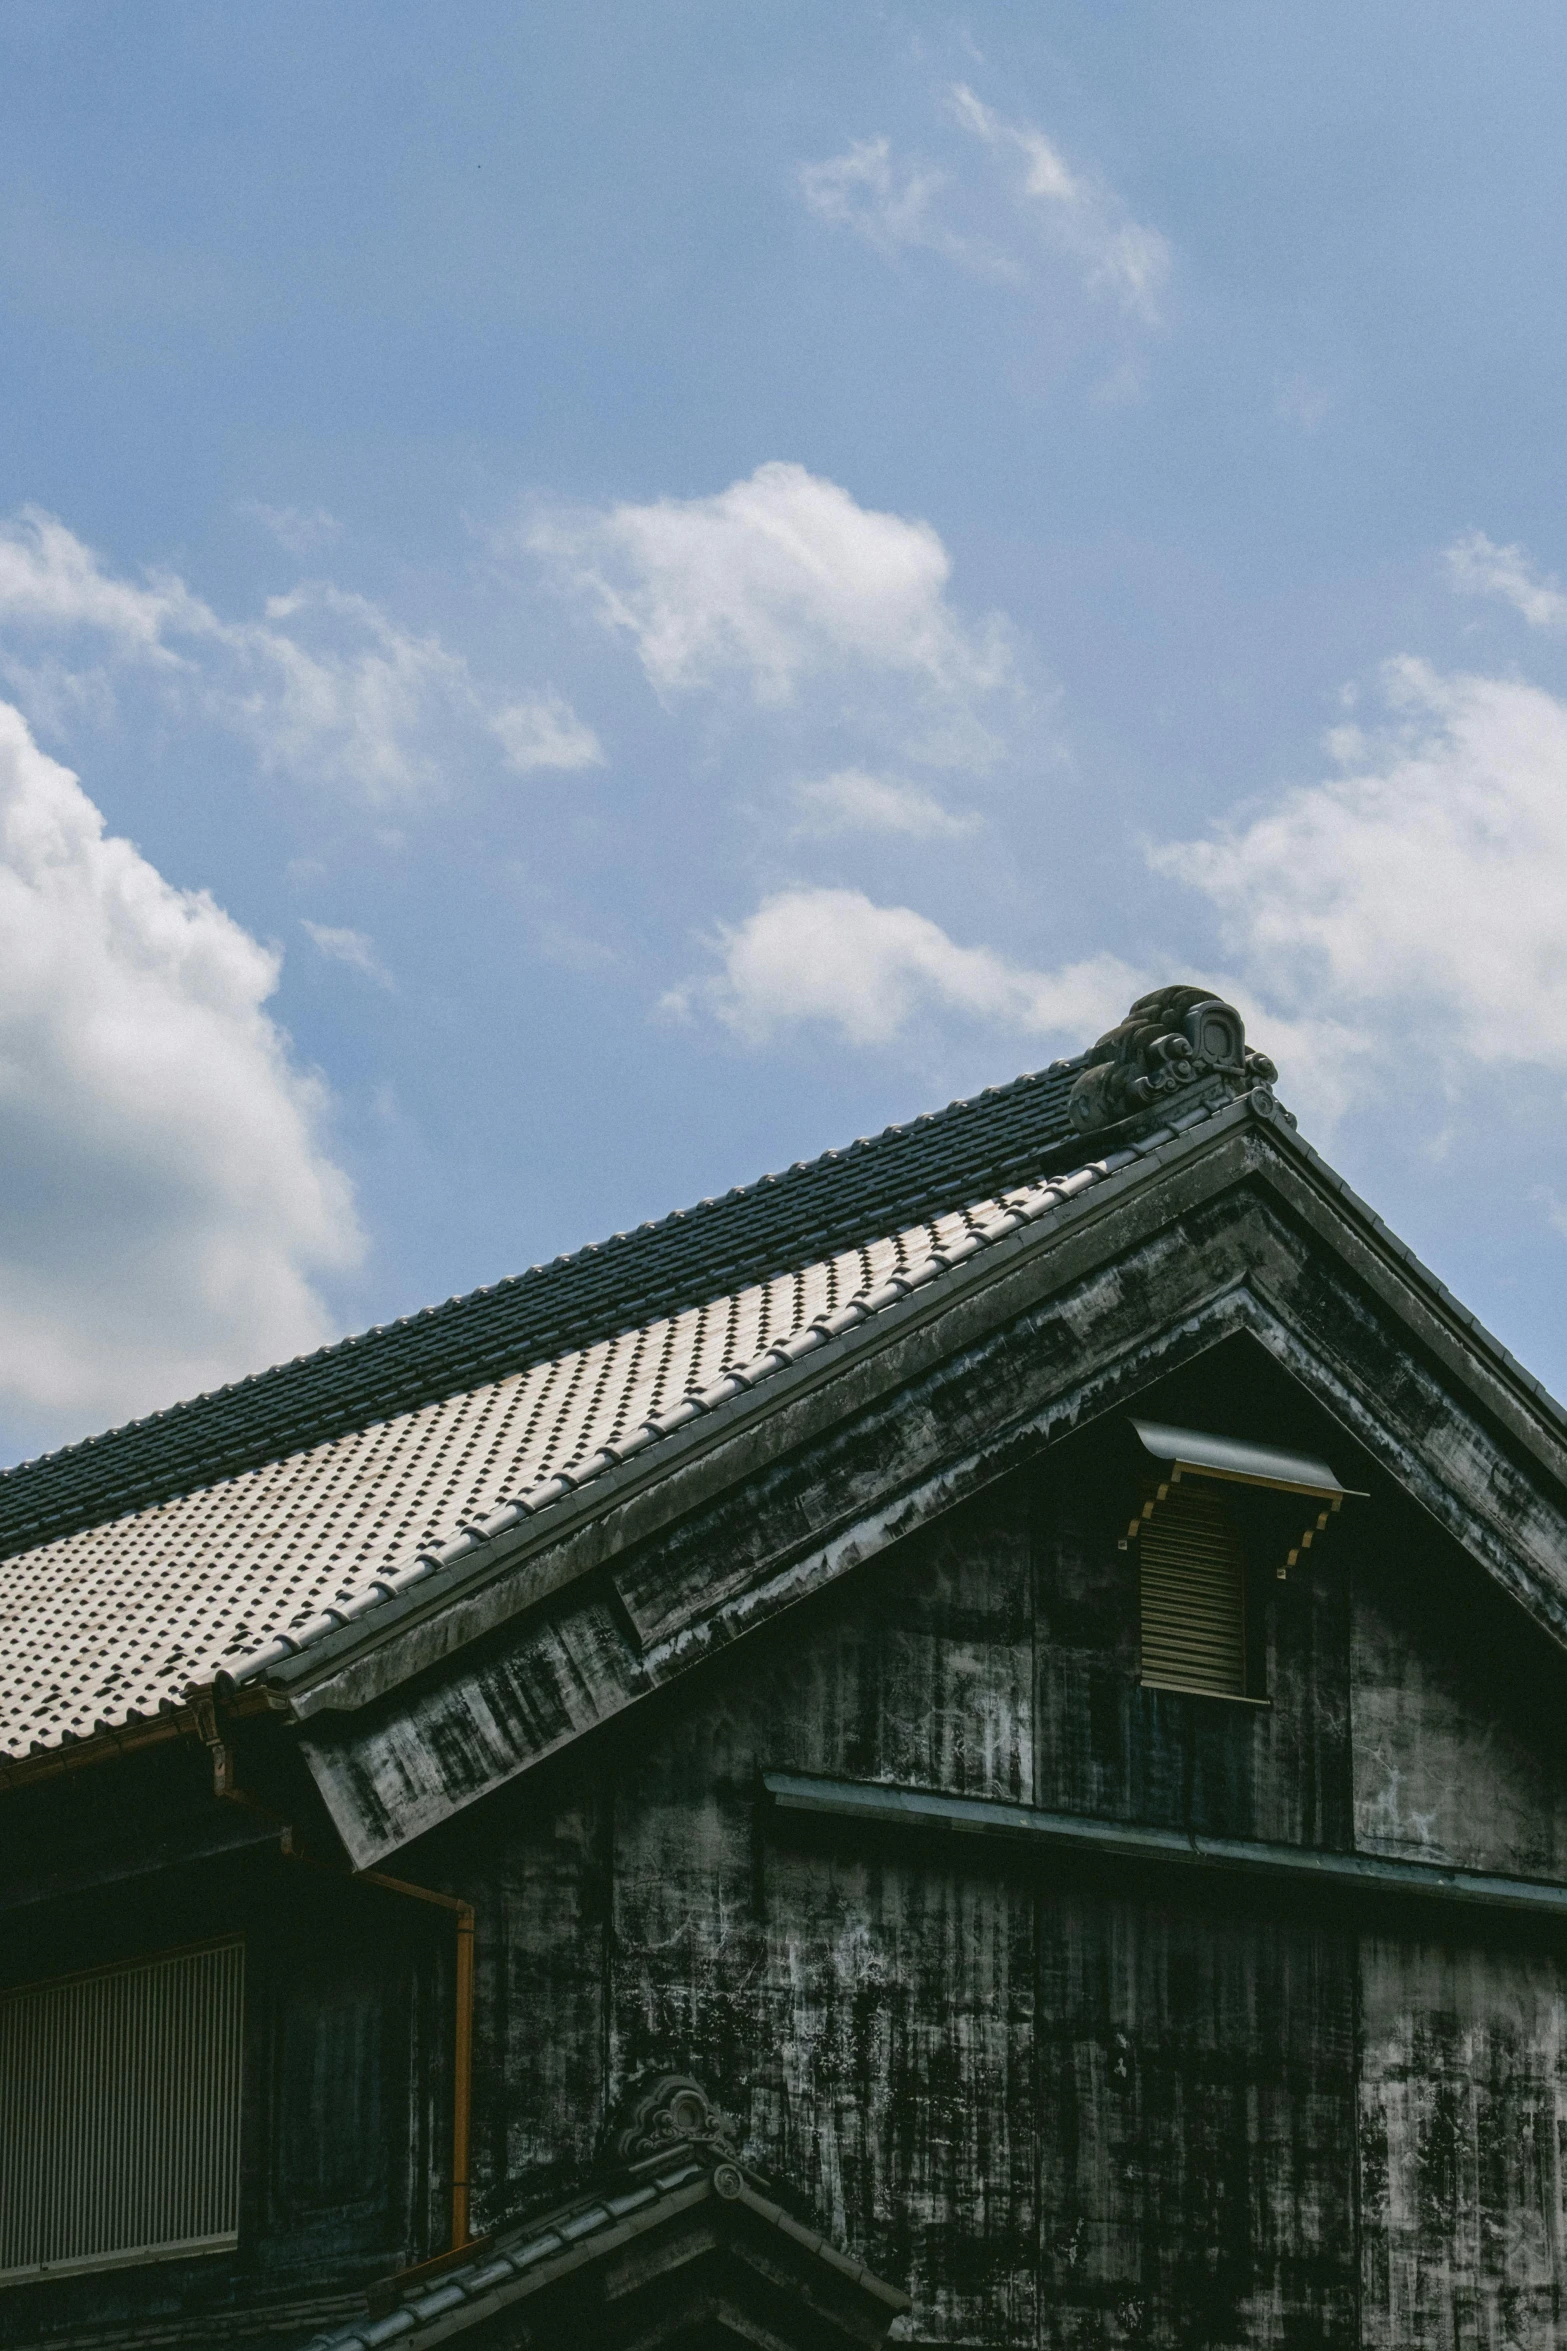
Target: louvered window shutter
<point>1193,1593</point>
<point>120,2113</point>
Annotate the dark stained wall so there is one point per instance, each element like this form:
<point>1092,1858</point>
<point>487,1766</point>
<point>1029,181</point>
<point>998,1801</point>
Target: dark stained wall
<point>346,2067</point>
<point>1463,2130</point>
<point>1197,2102</point>
<point>1066,2105</point>
<point>1458,1757</point>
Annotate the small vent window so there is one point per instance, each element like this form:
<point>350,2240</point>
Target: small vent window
<point>1192,1564</point>
<point>119,2114</point>
<point>1194,1594</point>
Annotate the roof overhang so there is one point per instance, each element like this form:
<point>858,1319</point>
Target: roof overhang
<point>1232,1226</point>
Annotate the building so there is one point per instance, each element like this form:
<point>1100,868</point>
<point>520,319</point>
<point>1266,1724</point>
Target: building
<point>960,1746</point>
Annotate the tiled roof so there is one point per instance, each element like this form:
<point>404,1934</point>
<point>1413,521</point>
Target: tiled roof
<point>1004,1136</point>
<point>519,2263</point>
<point>112,1623</point>
<point>472,2287</point>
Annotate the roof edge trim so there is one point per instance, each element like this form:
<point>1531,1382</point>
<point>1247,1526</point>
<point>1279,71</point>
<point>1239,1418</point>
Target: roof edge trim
<point>743,1380</point>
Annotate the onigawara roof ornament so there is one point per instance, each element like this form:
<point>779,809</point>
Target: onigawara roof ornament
<point>1173,1038</point>
<point>668,2111</point>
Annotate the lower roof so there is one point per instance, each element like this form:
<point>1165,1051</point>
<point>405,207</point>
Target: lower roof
<point>515,2270</point>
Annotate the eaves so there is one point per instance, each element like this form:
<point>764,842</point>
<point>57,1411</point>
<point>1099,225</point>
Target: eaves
<point>502,1576</point>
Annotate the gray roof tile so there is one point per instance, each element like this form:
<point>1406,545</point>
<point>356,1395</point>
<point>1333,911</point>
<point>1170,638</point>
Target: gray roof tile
<point>1008,1134</point>
<point>518,2250</point>
<point>109,1624</point>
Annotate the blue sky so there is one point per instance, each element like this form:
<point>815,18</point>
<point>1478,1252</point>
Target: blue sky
<point>630,594</point>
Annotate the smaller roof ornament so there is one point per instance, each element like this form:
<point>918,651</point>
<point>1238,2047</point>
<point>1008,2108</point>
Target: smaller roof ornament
<point>666,2111</point>
<point>1173,1038</point>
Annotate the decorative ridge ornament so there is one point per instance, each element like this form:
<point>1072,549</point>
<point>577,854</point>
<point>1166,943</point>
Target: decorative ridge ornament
<point>666,2112</point>
<point>1173,1038</point>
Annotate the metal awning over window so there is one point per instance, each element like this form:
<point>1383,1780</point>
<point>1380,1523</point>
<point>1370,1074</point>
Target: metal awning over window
<point>1230,1457</point>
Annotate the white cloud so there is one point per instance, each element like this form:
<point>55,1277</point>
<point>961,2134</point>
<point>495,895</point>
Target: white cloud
<point>326,686</point>
<point>333,691</point>
<point>301,531</point>
<point>834,957</point>
<point>854,801</point>
<point>350,947</point>
<point>892,206</point>
<point>49,579</point>
<point>1425,887</point>
<point>544,731</point>
<point>899,206</point>
<point>780,581</point>
<point>1477,567</point>
<point>168,1202</point>
<point>1087,220</point>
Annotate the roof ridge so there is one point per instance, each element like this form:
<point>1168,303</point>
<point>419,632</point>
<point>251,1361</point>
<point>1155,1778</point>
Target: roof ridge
<point>437,1350</point>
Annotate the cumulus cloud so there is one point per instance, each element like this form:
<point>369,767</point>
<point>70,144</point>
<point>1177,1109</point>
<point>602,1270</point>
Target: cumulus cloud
<point>169,1202</point>
<point>1476,566</point>
<point>1087,220</point>
<point>783,581</point>
<point>351,947</point>
<point>836,958</point>
<point>1424,884</point>
<point>325,685</point>
<point>854,801</point>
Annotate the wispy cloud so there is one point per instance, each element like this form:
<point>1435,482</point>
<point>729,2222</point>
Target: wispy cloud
<point>835,959</point>
<point>350,947</point>
<point>900,205</point>
<point>854,801</point>
<point>300,531</point>
<point>1084,216</point>
<point>894,206</point>
<point>326,685</point>
<point>1476,566</point>
<point>544,731</point>
<point>50,580</point>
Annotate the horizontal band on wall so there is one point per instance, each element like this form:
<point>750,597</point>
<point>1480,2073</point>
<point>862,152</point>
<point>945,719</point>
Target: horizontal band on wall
<point>1023,1826</point>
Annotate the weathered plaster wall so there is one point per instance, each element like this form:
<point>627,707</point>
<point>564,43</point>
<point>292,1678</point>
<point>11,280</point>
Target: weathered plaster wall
<point>1457,1714</point>
<point>1463,2132</point>
<point>1458,1758</point>
<point>1196,2107</point>
<point>1065,2107</point>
